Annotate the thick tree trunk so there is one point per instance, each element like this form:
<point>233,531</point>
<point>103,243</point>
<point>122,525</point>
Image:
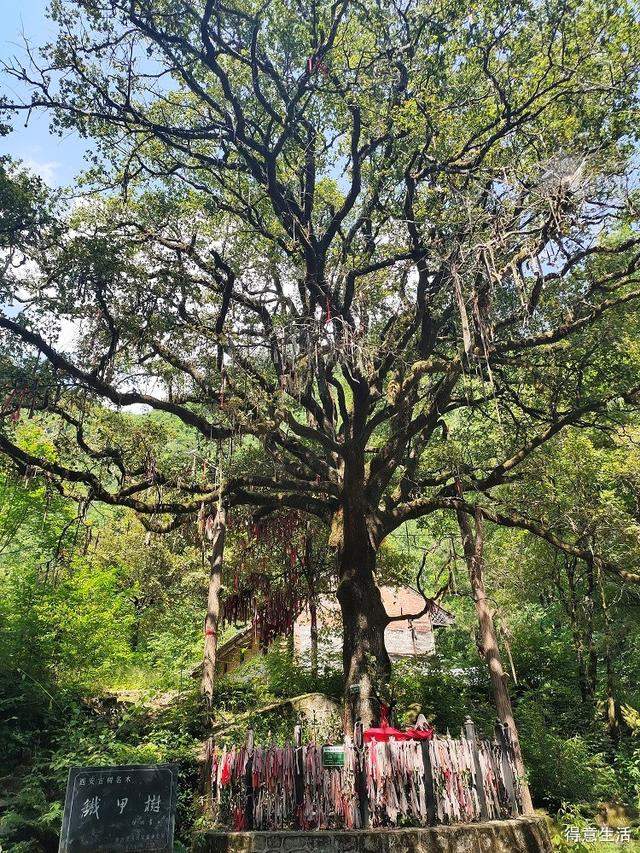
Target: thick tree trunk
<point>366,664</point>
<point>473,550</point>
<point>213,605</point>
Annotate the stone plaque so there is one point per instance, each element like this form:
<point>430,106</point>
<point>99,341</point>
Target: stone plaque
<point>117,809</point>
<point>333,756</point>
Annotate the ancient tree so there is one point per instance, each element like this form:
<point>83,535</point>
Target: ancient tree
<point>335,236</point>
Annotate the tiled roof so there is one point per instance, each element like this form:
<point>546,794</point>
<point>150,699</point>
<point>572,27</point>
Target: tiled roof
<point>403,638</point>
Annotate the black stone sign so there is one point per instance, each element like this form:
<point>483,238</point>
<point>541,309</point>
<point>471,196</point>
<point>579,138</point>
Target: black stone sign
<point>117,809</point>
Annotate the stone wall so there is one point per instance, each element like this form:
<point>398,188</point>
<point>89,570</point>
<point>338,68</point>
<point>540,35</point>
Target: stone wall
<point>524,835</point>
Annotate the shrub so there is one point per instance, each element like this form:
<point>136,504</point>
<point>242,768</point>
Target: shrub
<point>627,766</point>
<point>563,769</point>
<point>285,678</point>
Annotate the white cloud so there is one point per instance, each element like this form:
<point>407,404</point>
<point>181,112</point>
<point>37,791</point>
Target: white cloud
<point>69,331</point>
<point>46,170</point>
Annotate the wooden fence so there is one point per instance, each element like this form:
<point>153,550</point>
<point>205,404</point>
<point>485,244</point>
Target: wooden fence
<point>381,784</point>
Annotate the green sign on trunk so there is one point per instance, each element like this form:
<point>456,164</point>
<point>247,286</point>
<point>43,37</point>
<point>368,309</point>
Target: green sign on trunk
<point>333,756</point>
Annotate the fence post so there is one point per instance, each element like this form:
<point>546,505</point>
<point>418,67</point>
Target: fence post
<point>361,774</point>
<point>429,790</point>
<point>470,734</point>
<point>503,736</point>
<point>298,775</point>
<point>248,780</point>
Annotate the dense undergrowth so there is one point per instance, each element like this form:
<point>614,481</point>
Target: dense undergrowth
<point>43,734</point>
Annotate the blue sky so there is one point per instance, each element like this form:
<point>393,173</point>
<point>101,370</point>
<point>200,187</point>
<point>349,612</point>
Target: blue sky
<point>58,160</point>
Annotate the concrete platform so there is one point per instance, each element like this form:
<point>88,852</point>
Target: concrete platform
<point>523,835</point>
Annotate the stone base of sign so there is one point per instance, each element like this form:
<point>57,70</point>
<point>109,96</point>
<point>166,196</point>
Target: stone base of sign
<point>523,835</point>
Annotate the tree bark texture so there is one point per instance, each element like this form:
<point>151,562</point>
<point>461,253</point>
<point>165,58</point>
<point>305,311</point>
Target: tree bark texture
<point>213,605</point>
<point>366,663</point>
<point>473,544</point>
